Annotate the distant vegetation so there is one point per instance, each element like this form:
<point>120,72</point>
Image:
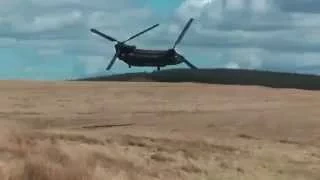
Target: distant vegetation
<point>221,76</point>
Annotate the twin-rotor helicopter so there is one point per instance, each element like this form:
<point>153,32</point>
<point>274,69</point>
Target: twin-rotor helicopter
<point>133,56</point>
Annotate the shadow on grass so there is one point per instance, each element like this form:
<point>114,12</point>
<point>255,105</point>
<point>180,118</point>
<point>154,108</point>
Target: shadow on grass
<point>221,76</point>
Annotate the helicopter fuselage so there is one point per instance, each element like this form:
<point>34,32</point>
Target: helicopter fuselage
<point>144,57</point>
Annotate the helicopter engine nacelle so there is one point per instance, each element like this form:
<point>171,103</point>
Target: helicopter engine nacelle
<point>124,48</point>
<point>171,52</point>
<point>127,49</point>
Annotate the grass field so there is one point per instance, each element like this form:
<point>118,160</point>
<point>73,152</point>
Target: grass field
<point>122,130</point>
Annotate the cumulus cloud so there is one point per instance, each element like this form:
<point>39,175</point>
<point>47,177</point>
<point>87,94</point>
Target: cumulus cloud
<point>265,34</point>
<point>302,6</point>
<point>61,27</point>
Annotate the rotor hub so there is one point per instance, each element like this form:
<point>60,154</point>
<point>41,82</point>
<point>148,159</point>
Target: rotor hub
<point>172,52</point>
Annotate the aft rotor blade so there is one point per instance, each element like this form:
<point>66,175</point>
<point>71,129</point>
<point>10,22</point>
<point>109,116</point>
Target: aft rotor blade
<point>112,61</point>
<point>183,32</point>
<point>142,32</point>
<point>189,64</point>
<point>103,35</point>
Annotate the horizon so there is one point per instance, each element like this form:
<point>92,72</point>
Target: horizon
<point>42,40</point>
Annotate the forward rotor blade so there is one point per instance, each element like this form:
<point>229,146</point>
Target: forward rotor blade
<point>112,61</point>
<point>186,27</point>
<point>189,64</point>
<point>142,32</point>
<point>103,35</point>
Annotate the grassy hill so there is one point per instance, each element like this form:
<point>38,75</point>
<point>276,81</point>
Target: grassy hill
<point>221,76</point>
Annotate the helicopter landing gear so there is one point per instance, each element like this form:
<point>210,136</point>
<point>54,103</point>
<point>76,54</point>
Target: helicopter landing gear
<point>129,66</point>
<point>158,68</point>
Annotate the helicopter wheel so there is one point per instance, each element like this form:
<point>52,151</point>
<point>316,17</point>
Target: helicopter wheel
<point>158,68</point>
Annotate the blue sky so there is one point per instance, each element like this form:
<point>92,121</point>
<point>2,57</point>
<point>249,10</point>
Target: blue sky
<point>50,40</point>
<point>25,62</point>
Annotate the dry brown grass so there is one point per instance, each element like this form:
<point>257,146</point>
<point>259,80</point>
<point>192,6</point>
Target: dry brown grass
<point>93,131</point>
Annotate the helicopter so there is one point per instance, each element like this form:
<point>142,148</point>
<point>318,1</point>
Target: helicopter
<point>133,56</point>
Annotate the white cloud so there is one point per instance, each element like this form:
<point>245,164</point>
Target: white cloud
<point>237,33</point>
<point>93,64</point>
<point>49,22</point>
<point>193,8</point>
<point>232,65</point>
<point>252,33</point>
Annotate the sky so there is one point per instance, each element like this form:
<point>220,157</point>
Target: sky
<point>50,40</point>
